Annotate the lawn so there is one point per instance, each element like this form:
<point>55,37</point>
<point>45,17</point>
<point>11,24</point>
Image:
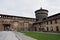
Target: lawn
<point>42,36</point>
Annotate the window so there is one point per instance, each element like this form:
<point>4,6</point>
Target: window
<point>37,19</point>
<point>3,16</point>
<point>0,16</point>
<point>55,21</point>
<point>47,28</point>
<point>51,28</point>
<point>47,22</point>
<point>57,28</point>
<point>51,22</point>
<point>13,17</point>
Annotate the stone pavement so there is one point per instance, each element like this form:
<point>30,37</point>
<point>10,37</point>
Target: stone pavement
<point>23,37</point>
<point>13,35</point>
<point>7,35</point>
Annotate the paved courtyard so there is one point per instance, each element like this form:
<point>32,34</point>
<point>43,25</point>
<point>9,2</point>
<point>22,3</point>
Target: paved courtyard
<point>7,35</point>
<point>12,35</point>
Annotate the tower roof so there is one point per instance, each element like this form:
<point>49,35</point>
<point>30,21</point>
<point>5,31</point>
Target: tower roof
<point>41,10</point>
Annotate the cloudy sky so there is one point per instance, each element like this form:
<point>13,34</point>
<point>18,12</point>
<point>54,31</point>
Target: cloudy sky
<point>26,8</point>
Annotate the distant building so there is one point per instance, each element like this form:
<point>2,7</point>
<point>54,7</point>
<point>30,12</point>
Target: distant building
<point>41,23</point>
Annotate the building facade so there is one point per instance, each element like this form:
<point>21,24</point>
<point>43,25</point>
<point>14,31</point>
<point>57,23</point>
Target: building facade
<point>41,23</point>
<point>9,22</point>
<point>50,24</point>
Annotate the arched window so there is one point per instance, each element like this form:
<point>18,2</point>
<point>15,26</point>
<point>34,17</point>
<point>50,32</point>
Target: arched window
<point>57,28</point>
<point>51,28</point>
<point>47,29</point>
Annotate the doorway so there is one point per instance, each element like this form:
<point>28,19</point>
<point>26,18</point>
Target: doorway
<point>6,27</point>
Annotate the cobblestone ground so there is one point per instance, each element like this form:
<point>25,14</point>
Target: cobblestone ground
<point>13,35</point>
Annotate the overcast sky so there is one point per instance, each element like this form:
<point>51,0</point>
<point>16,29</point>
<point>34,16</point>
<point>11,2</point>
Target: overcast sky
<point>26,8</point>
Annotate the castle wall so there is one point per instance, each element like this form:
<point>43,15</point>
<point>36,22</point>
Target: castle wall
<point>49,26</point>
<point>16,24</point>
<point>54,26</point>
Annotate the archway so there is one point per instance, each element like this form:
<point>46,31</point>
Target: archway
<point>6,27</point>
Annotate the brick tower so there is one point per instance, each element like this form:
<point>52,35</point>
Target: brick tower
<point>40,14</point>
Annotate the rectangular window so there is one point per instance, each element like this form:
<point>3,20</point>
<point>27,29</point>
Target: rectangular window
<point>55,21</point>
<point>47,22</point>
<point>51,22</point>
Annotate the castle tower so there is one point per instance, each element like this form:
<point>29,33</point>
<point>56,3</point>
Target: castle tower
<point>40,14</point>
